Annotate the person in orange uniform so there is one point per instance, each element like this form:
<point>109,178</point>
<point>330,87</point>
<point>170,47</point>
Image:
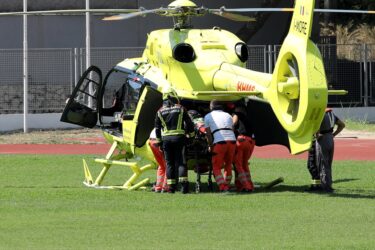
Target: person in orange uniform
<point>244,148</point>
<point>222,143</point>
<point>161,177</point>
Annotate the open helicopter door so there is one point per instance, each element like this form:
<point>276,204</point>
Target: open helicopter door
<point>137,131</point>
<point>81,108</point>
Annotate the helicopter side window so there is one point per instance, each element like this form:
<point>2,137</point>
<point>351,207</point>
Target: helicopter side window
<point>119,98</point>
<point>131,97</point>
<point>113,92</point>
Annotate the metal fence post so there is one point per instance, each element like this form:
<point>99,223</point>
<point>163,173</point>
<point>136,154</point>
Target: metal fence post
<point>270,59</point>
<point>371,79</point>
<point>365,75</point>
<point>265,58</point>
<point>25,71</point>
<point>76,67</point>
<point>275,55</point>
<point>81,63</point>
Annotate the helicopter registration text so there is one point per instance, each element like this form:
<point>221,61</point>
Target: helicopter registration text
<point>300,27</point>
<point>243,86</point>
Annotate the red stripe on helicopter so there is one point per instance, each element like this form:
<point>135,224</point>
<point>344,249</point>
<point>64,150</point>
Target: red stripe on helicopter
<point>243,86</point>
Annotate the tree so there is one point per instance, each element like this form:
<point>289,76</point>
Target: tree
<point>356,19</point>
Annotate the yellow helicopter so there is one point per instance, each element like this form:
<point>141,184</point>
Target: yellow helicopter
<point>201,65</point>
<point>286,107</point>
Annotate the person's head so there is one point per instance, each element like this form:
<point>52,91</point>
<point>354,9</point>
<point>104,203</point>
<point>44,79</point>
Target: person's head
<point>169,94</point>
<point>328,109</point>
<point>216,105</point>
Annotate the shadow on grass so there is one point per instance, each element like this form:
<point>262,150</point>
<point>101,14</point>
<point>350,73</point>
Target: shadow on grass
<point>339,193</point>
<point>345,180</point>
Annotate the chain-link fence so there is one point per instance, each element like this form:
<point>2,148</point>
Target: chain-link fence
<point>371,73</point>
<point>49,77</point>
<point>106,58</point>
<point>258,58</point>
<point>54,72</point>
<point>345,70</point>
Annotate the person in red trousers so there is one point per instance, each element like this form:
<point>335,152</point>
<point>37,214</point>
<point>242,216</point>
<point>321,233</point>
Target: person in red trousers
<point>244,148</point>
<point>222,143</point>
<point>161,177</point>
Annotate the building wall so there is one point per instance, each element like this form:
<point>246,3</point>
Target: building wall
<point>17,5</point>
<point>69,31</point>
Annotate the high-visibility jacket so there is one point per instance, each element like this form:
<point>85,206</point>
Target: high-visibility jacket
<point>173,121</point>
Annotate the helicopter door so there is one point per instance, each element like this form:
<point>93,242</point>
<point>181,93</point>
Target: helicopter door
<point>81,108</point>
<point>138,130</point>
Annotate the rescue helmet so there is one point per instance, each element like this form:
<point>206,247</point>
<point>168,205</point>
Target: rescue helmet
<point>169,93</point>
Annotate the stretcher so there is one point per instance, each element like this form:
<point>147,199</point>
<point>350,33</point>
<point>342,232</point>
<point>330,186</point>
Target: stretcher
<point>199,159</point>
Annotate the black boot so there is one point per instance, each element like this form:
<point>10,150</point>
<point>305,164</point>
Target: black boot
<point>314,188</point>
<point>185,187</point>
<point>172,188</point>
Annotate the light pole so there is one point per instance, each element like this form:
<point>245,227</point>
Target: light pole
<point>88,52</point>
<point>88,42</point>
<point>25,70</point>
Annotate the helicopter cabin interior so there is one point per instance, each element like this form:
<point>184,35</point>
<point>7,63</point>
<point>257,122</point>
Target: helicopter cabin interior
<point>120,94</point>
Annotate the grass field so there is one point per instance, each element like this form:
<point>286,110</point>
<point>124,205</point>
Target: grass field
<point>44,205</point>
<point>360,126</point>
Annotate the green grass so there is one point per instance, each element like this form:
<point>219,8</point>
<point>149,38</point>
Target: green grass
<point>44,205</point>
<point>359,125</point>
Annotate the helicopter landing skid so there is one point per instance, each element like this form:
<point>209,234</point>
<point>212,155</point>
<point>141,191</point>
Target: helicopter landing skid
<point>139,186</point>
<point>117,159</point>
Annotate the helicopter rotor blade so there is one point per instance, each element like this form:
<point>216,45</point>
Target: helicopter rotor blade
<point>292,9</point>
<point>129,13</point>
<point>69,12</point>
<point>223,9</point>
<point>140,12</point>
<point>345,11</point>
<point>232,16</point>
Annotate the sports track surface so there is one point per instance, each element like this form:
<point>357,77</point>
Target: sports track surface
<point>345,149</point>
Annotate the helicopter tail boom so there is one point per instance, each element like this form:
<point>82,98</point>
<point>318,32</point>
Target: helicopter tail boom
<point>235,78</point>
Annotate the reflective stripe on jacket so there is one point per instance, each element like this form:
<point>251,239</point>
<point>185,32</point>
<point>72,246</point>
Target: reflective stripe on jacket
<point>173,120</point>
